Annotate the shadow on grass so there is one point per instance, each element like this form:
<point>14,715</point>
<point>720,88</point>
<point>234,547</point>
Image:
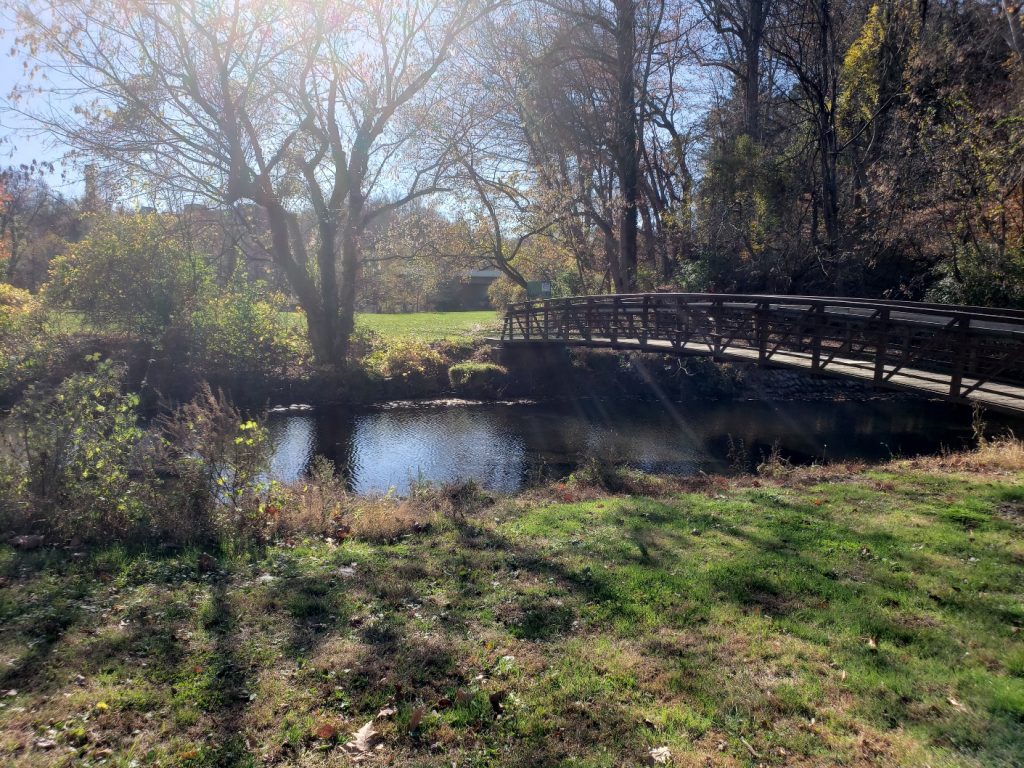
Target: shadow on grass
<point>407,624</point>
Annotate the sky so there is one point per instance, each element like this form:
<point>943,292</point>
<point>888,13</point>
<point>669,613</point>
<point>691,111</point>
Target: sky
<point>20,142</point>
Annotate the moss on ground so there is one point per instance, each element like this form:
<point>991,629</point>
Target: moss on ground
<point>867,618</point>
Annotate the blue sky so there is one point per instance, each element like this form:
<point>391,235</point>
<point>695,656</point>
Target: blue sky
<point>20,142</point>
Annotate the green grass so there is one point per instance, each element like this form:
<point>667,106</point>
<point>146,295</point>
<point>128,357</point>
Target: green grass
<point>860,621</point>
<point>427,326</point>
<point>432,326</point>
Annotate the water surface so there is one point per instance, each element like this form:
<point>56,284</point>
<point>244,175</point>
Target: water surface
<point>505,446</point>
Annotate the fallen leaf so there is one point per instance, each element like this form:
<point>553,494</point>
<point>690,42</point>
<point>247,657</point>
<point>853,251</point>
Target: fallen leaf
<point>660,756</point>
<point>363,739</point>
<point>387,712</point>
<point>443,703</point>
<point>956,703</point>
<point>415,719</point>
<point>872,644</point>
<point>326,731</point>
<point>45,743</point>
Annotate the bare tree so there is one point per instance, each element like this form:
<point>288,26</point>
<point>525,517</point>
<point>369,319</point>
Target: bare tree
<point>741,26</point>
<point>291,106</point>
<point>34,222</point>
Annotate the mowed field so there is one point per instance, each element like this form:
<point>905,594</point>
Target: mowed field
<point>426,326</point>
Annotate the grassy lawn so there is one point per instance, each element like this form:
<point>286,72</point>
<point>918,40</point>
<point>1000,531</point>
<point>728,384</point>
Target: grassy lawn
<point>427,326</point>
<point>423,326</point>
<point>855,620</point>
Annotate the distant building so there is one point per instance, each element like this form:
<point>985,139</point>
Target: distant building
<point>468,291</point>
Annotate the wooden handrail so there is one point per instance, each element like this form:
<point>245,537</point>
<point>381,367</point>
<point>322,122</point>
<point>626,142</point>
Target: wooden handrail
<point>922,308</point>
<point>974,348</point>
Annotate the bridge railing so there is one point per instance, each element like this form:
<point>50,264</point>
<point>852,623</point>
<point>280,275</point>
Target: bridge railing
<point>972,347</point>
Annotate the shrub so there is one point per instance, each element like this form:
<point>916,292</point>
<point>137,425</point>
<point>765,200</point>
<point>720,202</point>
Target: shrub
<point>317,505</point>
<point>23,346</point>
<point>241,330</point>
<point>504,291</point>
<point>74,457</point>
<point>478,379</point>
<point>219,460</point>
<point>130,274</point>
<point>409,360</point>
<point>16,307</point>
<point>453,500</point>
<point>386,518</point>
<point>775,465</point>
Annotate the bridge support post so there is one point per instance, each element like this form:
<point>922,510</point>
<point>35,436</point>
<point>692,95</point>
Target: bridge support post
<point>646,324</point>
<point>817,326</point>
<point>761,331</point>
<point>880,345</point>
<point>959,356</point>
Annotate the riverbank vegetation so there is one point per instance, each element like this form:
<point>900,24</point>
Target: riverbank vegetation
<point>846,614</point>
<point>133,290</point>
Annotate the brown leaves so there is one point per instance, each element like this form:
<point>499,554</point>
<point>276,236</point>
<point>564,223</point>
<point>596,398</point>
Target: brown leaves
<point>416,718</point>
<point>363,741</point>
<point>660,756</point>
<point>326,731</point>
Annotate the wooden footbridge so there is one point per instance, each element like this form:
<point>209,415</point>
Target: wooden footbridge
<point>967,354</point>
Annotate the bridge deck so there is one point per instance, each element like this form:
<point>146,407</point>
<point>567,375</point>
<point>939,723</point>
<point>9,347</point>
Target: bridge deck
<point>966,354</point>
<point>1002,397</point>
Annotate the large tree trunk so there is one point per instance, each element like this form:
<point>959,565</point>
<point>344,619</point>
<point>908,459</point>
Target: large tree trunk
<point>347,293</point>
<point>324,329</point>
